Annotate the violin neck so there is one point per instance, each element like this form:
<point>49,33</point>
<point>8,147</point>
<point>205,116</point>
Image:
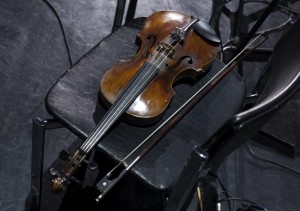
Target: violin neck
<point>143,77</point>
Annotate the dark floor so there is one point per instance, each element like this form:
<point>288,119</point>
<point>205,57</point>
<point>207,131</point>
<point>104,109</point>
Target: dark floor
<point>33,56</point>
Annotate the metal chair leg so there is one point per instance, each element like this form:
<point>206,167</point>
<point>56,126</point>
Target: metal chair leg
<point>39,126</point>
<point>120,12</point>
<point>186,183</point>
<point>275,142</point>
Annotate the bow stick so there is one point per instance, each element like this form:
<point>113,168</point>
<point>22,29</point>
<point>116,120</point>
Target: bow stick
<point>119,171</point>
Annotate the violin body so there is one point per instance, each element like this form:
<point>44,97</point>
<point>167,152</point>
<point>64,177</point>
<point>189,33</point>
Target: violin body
<point>191,58</point>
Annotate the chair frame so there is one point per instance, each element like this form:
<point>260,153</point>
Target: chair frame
<point>228,138</point>
<point>40,126</point>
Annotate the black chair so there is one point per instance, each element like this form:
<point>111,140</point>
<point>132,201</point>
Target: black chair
<point>73,101</point>
<point>240,35</point>
<point>278,83</point>
<point>86,111</point>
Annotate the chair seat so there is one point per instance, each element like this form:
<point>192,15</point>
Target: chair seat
<point>74,100</point>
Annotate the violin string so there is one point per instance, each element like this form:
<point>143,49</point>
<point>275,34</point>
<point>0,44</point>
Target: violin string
<point>117,106</point>
<point>117,102</point>
<point>153,58</point>
<point>94,138</point>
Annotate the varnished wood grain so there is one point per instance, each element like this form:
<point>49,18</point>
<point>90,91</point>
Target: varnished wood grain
<point>190,60</point>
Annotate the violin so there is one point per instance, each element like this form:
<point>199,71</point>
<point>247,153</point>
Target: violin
<point>171,51</point>
<point>173,46</point>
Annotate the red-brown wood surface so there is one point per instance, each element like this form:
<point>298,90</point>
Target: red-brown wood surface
<point>190,59</point>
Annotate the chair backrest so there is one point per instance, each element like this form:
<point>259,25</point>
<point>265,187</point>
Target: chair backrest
<point>280,81</point>
<point>284,65</point>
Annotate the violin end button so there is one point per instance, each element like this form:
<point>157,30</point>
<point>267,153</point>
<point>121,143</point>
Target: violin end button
<point>58,184</point>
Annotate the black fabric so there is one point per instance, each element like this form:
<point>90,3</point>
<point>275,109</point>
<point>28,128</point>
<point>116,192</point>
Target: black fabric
<point>74,101</point>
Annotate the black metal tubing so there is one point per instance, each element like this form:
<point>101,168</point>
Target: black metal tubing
<point>236,31</point>
<point>39,126</point>
<point>255,27</point>
<point>217,9</point>
<point>259,55</point>
<point>131,10</point>
<point>187,181</point>
<point>119,14</point>
<point>275,142</point>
